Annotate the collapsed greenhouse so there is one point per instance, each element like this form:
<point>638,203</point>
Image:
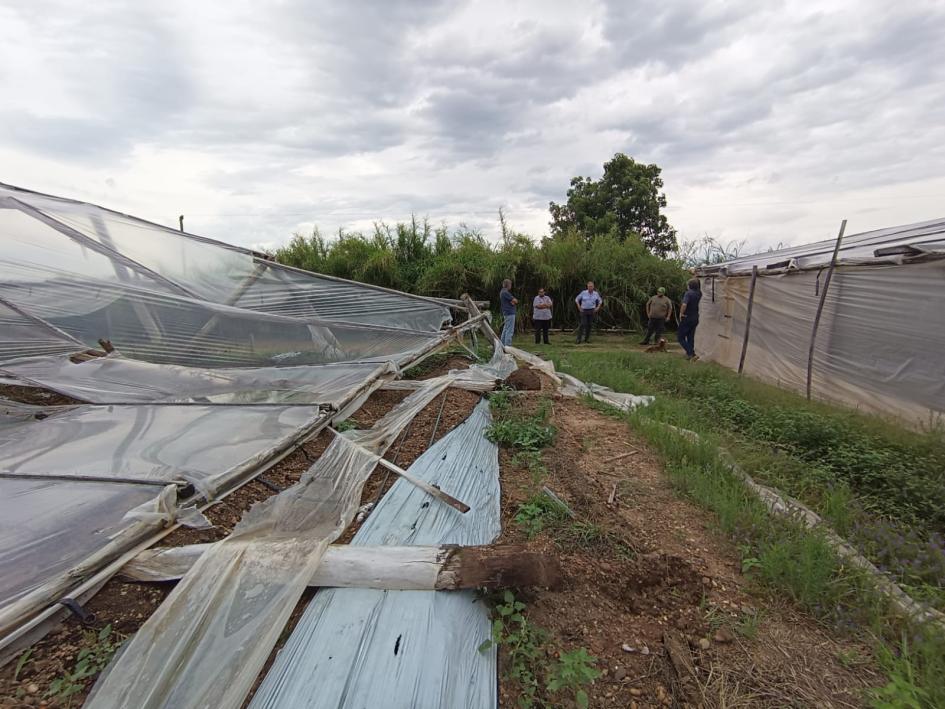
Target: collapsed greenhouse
<point>858,325</point>
<point>183,368</point>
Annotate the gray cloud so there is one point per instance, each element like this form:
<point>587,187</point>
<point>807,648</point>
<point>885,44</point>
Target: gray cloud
<point>344,112</point>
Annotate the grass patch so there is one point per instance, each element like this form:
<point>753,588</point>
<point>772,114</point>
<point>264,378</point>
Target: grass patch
<point>877,484</point>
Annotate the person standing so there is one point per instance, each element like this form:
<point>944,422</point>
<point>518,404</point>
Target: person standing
<point>507,303</point>
<point>689,319</point>
<point>588,303</point>
<point>541,316</point>
<point>659,310</point>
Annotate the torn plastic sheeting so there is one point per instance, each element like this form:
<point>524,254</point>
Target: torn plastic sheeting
<point>119,379</point>
<point>403,649</point>
<point>198,443</point>
<point>21,336</point>
<point>134,441</point>
<point>163,510</point>
<point>48,528</point>
<point>225,274</point>
<point>223,618</point>
<point>571,386</point>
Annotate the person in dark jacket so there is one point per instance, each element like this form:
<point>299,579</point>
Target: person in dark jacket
<point>689,319</point>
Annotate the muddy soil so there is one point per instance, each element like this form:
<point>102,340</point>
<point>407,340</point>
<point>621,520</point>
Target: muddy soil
<point>650,568</point>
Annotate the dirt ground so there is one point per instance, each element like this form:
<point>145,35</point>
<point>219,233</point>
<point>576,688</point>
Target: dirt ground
<point>654,567</point>
<point>655,572</point>
<point>126,606</point>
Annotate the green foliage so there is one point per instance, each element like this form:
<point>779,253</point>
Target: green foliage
<point>524,433</point>
<point>526,650</point>
<point>790,442</point>
<point>539,512</point>
<point>627,201</point>
<point>346,425</point>
<point>574,670</point>
<point>21,663</point>
<point>417,259</point>
<point>95,653</point>
<point>527,434</point>
<point>523,643</point>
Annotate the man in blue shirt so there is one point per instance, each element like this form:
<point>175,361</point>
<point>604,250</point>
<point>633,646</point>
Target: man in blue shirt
<point>507,303</point>
<point>689,319</point>
<point>588,303</point>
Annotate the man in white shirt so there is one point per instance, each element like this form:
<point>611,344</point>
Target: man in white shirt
<point>588,303</point>
<point>541,316</point>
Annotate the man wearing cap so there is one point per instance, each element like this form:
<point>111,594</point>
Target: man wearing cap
<point>659,309</point>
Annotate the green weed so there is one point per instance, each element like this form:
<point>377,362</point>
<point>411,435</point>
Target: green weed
<point>537,513</point>
<point>526,652</point>
<point>574,670</point>
<point>95,653</point>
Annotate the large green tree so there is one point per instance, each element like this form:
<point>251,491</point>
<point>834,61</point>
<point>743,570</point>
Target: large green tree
<point>627,200</point>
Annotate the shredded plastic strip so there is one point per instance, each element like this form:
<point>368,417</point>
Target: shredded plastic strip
<point>403,649</point>
<point>223,618</point>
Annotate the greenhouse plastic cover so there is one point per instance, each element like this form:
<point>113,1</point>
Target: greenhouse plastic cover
<point>222,360</point>
<point>226,614</point>
<point>875,348</point>
<point>403,649</point>
<point>890,245</point>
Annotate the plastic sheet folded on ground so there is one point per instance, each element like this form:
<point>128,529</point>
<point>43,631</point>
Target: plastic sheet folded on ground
<point>571,386</point>
<point>225,615</point>
<point>403,649</point>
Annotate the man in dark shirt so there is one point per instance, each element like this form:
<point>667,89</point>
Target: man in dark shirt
<point>689,319</point>
<point>507,303</point>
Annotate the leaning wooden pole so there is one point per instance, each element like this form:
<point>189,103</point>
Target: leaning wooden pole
<point>751,302</point>
<point>820,305</point>
<point>485,327</point>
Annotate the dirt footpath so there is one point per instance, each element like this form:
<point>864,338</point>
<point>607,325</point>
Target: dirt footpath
<point>656,594</point>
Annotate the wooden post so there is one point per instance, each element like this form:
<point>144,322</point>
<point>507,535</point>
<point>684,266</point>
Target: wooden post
<point>422,484</point>
<point>181,220</point>
<point>751,301</point>
<point>820,306</point>
<point>398,568</point>
<point>485,327</point>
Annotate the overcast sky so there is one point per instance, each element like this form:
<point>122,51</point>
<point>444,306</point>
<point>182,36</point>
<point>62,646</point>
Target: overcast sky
<point>771,121</point>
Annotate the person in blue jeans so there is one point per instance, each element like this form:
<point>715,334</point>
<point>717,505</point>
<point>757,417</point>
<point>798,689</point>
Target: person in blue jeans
<point>689,319</point>
<point>507,303</point>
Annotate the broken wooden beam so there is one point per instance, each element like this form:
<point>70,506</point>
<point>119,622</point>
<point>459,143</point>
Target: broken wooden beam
<point>399,568</point>
<point>422,484</point>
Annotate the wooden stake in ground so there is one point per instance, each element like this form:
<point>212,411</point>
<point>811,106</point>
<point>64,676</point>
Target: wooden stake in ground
<point>820,306</point>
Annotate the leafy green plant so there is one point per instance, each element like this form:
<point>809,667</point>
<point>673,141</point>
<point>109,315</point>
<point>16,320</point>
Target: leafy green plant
<point>573,671</point>
<point>526,434</point>
<point>346,425</point>
<point>537,513</point>
<point>96,652</point>
<point>523,643</point>
<point>21,663</point>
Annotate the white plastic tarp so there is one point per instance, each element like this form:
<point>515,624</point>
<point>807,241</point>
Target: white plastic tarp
<point>875,349</point>
<point>404,649</point>
<point>223,618</point>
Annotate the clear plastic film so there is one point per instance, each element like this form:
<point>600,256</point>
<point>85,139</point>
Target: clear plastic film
<point>872,350</point>
<point>117,379</point>
<point>228,275</point>
<point>403,649</point>
<point>223,618</point>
